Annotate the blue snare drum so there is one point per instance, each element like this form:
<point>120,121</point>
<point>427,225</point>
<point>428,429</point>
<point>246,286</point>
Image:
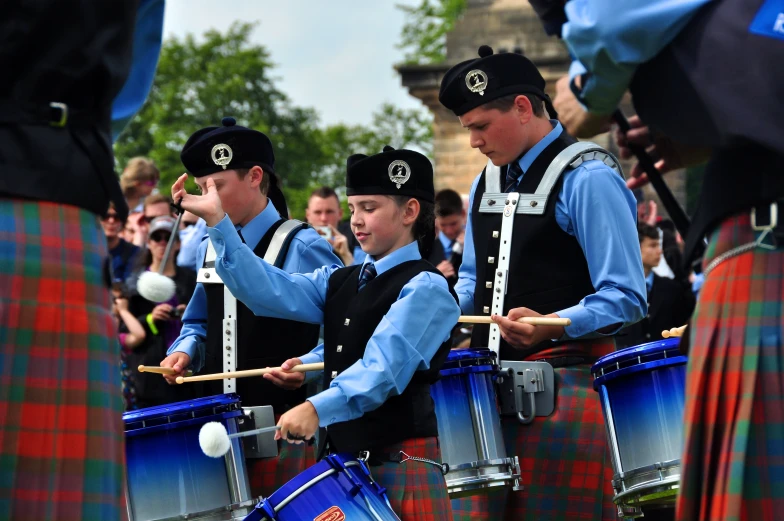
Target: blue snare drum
<point>168,474</point>
<point>642,392</point>
<point>469,425</point>
<point>336,488</point>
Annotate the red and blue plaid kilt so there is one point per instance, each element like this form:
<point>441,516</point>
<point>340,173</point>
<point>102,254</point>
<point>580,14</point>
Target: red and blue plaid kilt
<point>564,461</point>
<point>61,441</point>
<point>269,474</point>
<point>732,466</point>
<point>416,490</point>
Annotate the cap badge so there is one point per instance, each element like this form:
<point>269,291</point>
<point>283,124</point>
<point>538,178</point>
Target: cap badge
<point>399,172</point>
<point>222,154</point>
<point>476,81</point>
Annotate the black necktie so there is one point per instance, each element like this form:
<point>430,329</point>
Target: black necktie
<point>368,274</point>
<point>513,175</point>
<point>239,232</point>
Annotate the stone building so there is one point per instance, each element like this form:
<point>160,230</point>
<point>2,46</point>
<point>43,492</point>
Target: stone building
<point>505,25</point>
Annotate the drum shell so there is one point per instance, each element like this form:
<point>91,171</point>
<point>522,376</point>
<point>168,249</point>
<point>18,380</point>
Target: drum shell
<point>168,474</point>
<point>642,392</point>
<point>327,491</point>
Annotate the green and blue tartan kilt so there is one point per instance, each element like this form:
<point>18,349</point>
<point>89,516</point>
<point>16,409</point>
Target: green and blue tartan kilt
<point>565,465</point>
<point>61,442</point>
<point>416,490</point>
<point>269,474</point>
<point>732,467</point>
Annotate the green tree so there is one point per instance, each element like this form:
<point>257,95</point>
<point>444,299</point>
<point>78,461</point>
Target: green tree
<point>425,29</point>
<point>199,82</point>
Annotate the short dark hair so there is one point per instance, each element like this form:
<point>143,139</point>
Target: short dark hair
<point>448,202</point>
<point>156,199</point>
<point>265,178</point>
<point>646,230</point>
<point>505,103</point>
<point>324,192</point>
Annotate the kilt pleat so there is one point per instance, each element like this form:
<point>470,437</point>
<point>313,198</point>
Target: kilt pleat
<point>732,466</point>
<point>61,432</point>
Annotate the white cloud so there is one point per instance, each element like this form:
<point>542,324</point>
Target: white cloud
<point>335,56</point>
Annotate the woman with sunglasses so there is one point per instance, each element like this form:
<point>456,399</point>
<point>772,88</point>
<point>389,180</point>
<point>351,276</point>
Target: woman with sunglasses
<point>162,322</point>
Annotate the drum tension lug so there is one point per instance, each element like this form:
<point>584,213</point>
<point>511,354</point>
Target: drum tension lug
<point>263,510</point>
<point>338,465</point>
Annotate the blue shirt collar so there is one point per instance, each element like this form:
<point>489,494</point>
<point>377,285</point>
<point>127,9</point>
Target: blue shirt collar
<point>445,241</point>
<point>649,281</point>
<point>259,225</point>
<point>529,157</point>
<point>408,252</point>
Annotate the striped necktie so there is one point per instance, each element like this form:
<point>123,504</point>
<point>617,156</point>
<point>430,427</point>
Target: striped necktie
<point>513,175</point>
<point>368,274</point>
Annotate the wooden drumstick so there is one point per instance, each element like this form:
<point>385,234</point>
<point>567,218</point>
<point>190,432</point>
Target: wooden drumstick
<point>535,321</point>
<point>674,332</point>
<point>158,370</point>
<point>301,368</point>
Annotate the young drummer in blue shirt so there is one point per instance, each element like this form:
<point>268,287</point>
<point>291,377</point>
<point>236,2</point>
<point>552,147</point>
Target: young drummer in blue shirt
<point>387,326</point>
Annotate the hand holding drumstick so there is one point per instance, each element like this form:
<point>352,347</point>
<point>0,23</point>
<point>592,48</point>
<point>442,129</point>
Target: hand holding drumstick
<point>524,327</point>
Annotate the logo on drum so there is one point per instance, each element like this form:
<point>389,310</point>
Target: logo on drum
<point>332,514</point>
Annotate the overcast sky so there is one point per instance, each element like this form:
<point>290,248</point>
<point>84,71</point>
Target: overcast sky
<point>336,56</point>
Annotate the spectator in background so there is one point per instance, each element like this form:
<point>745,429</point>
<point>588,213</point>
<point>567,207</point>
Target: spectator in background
<point>447,254</point>
<point>192,231</point>
<point>137,181</point>
<point>161,321</point>
<point>324,214</point>
<point>123,253</point>
<point>154,206</point>
<point>131,334</point>
<point>670,303</point>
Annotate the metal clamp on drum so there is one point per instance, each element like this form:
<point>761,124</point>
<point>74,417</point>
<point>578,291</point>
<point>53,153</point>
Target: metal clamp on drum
<point>527,390</point>
<point>260,445</point>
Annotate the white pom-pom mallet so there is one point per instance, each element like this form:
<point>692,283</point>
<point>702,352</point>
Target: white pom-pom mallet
<point>215,441</point>
<point>157,287</point>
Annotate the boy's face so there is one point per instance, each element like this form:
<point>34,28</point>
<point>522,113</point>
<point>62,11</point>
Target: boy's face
<point>379,224</point>
<point>237,195</point>
<point>451,225</point>
<point>651,252</point>
<point>501,136</point>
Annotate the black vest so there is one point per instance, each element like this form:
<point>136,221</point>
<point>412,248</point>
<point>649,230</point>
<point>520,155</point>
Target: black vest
<point>261,342</point>
<point>76,52</point>
<point>349,321</point>
<point>725,87</point>
<point>548,271</point>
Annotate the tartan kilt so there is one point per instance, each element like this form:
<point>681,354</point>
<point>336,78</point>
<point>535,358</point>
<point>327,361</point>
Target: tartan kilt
<point>266,475</point>
<point>62,453</point>
<point>416,490</point>
<point>732,467</point>
<point>565,466</point>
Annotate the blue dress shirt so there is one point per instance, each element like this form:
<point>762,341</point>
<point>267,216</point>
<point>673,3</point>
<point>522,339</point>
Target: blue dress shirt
<point>405,341</point>
<point>649,282</point>
<point>610,39</point>
<point>446,242</point>
<point>596,208</point>
<point>147,39</point>
<point>190,241</point>
<point>307,252</point>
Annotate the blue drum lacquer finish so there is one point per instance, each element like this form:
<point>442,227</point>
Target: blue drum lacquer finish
<point>168,474</point>
<point>337,488</point>
<point>644,388</point>
<point>469,427</point>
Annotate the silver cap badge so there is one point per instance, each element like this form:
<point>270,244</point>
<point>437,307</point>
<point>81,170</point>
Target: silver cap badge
<point>222,154</point>
<point>476,81</point>
<point>399,172</point>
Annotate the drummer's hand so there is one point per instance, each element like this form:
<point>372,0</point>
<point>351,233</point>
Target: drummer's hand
<point>207,206</point>
<point>179,362</point>
<point>301,421</point>
<point>526,335</point>
<point>287,380</point>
